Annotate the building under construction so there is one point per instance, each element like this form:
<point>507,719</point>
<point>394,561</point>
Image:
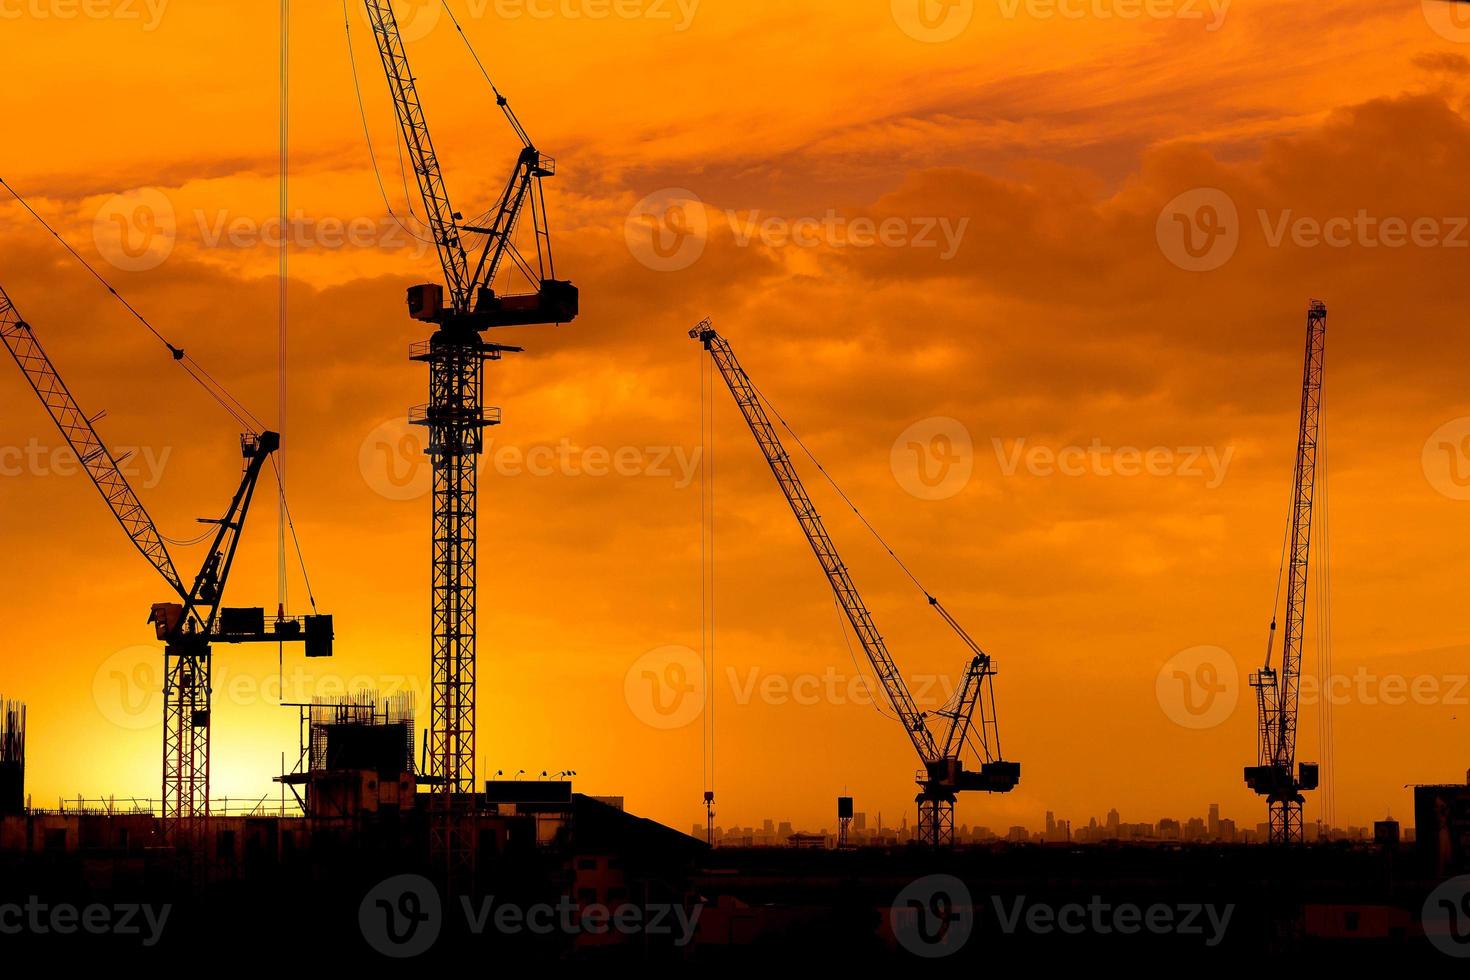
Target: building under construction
<point>12,757</point>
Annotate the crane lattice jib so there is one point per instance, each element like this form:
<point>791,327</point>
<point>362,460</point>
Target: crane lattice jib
<point>748,400</point>
<point>1287,697</point>
<point>440,214</point>
<point>76,428</point>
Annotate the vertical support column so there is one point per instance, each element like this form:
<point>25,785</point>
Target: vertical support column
<point>1286,821</point>
<point>186,724</point>
<point>936,820</point>
<point>456,419</point>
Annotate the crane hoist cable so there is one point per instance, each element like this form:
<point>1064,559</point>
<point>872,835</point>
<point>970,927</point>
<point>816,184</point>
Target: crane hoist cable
<point>300,555</point>
<point>232,405</point>
<point>1323,558</point>
<point>707,566</point>
<point>933,602</point>
<point>368,136</point>
<point>500,100</point>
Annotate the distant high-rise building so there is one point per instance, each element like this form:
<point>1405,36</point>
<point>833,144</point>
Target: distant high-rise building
<point>1113,820</point>
<point>1227,831</point>
<point>1214,824</point>
<point>859,821</point>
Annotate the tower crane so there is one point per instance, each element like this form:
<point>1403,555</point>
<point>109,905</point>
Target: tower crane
<point>195,617</point>
<point>944,774</point>
<point>1275,774</point>
<point>461,310</point>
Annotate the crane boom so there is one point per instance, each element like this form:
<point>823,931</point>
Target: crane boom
<point>843,587</point>
<point>1304,493</point>
<point>76,427</point>
<point>440,214</point>
<point>1278,694</point>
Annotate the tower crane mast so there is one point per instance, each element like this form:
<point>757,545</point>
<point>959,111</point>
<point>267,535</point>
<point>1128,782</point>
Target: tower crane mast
<point>1278,694</point>
<point>461,308</point>
<point>944,772</point>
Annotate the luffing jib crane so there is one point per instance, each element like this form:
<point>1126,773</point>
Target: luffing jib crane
<point>944,774</point>
<point>195,618</point>
<point>462,309</point>
<point>1275,774</point>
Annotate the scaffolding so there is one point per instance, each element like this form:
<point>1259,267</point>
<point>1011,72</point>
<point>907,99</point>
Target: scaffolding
<point>344,730</point>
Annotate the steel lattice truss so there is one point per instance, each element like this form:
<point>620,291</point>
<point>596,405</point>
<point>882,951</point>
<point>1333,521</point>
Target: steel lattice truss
<point>440,213</point>
<point>77,428</point>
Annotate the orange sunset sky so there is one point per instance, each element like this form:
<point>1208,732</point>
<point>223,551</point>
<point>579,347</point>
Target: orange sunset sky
<point>1053,140</point>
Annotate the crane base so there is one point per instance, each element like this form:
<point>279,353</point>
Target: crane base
<point>936,820</point>
<point>1285,819</point>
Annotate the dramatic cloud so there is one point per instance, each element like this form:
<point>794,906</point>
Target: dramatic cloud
<point>1081,247</point>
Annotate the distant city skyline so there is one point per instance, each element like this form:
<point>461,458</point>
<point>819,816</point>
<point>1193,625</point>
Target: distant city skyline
<point>1211,827</point>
